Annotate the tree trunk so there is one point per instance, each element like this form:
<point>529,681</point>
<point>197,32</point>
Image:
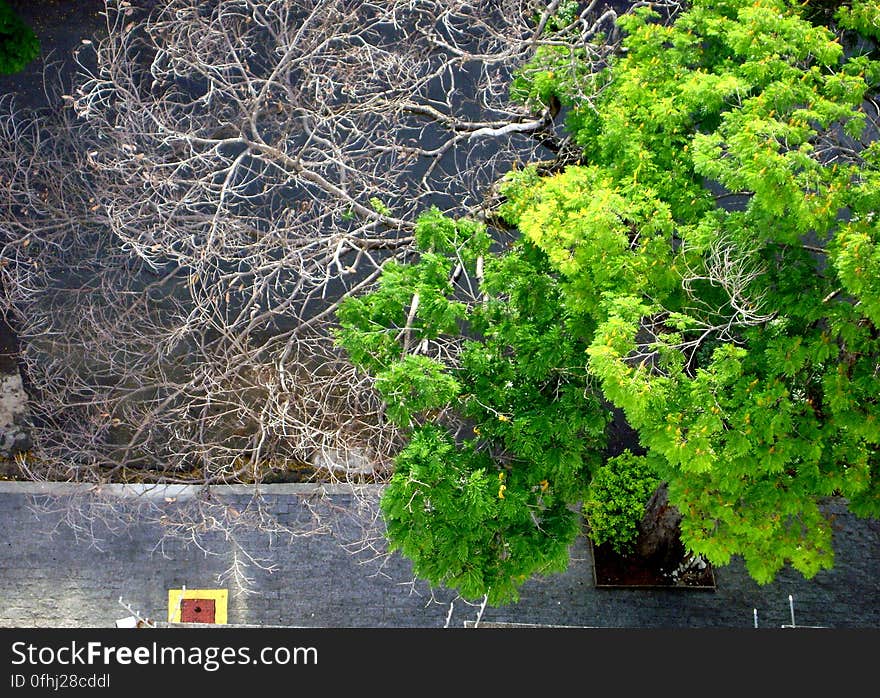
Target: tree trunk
<point>659,537</point>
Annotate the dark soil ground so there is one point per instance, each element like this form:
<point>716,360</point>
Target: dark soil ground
<point>8,347</point>
<point>60,25</point>
<point>612,569</point>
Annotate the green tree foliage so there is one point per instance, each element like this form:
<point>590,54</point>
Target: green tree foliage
<point>504,429</point>
<point>18,43</point>
<point>712,264</point>
<point>616,497</point>
<point>862,16</point>
<point>748,361</point>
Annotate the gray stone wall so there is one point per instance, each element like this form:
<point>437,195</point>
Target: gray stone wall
<point>63,570</point>
<point>14,436</point>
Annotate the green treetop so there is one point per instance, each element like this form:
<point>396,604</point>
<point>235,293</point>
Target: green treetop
<point>723,234</point>
<point>18,43</point>
<point>710,267</point>
<point>492,385</point>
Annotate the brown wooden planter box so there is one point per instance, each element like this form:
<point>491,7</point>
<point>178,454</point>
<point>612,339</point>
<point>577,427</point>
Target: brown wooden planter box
<point>613,571</point>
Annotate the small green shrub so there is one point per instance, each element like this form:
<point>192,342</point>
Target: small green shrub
<point>18,43</point>
<point>616,499</point>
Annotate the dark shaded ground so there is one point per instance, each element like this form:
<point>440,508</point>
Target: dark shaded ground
<point>8,347</point>
<point>60,25</point>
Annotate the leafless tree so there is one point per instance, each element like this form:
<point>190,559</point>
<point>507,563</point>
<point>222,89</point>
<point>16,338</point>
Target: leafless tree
<point>731,268</point>
<point>178,228</point>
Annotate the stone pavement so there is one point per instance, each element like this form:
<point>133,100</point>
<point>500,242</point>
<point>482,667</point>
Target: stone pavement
<point>66,560</point>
